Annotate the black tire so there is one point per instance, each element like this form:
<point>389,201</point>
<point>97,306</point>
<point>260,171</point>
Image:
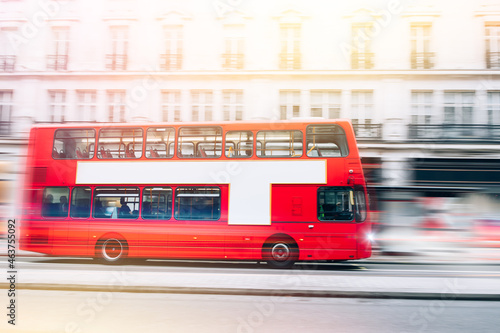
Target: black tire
<point>111,250</point>
<point>280,254</point>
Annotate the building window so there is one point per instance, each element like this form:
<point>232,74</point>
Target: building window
<point>57,106</point>
<point>325,103</point>
<point>116,59</point>
<point>116,106</point>
<point>5,111</point>
<point>232,58</point>
<point>362,115</point>
<point>7,54</point>
<point>492,35</point>
<point>421,57</point>
<point>458,107</point>
<point>87,104</point>
<point>421,107</point>
<point>172,58</point>
<point>58,58</point>
<point>201,105</point>
<point>171,105</point>
<point>289,104</point>
<point>361,57</point>
<point>493,107</point>
<point>233,104</point>
<point>290,47</point>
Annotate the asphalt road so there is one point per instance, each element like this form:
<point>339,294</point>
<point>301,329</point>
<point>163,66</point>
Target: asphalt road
<point>65,311</point>
<point>344,268</point>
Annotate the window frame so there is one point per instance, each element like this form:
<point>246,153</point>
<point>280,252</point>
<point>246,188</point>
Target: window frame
<point>118,217</point>
<point>179,143</point>
<point>263,156</point>
<point>71,208</point>
<point>98,146</point>
<point>342,155</point>
<point>174,142</point>
<point>253,144</point>
<point>337,189</point>
<point>74,129</point>
<point>176,208</point>
<point>43,203</point>
<point>171,207</point>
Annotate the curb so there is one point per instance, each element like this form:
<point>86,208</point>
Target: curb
<point>258,292</point>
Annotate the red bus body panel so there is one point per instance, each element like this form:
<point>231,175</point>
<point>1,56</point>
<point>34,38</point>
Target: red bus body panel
<point>293,210</point>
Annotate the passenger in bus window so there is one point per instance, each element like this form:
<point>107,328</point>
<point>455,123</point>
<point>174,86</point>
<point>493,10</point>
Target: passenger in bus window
<point>63,205</point>
<point>124,209</point>
<point>47,208</point>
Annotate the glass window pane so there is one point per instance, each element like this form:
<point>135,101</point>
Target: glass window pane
<point>160,142</point>
<point>197,203</point>
<point>116,202</point>
<point>74,144</point>
<point>239,144</point>
<point>279,143</point>
<point>326,141</point>
<point>157,203</point>
<point>120,143</point>
<point>335,204</point>
<point>55,202</point>
<point>80,202</point>
<point>200,142</point>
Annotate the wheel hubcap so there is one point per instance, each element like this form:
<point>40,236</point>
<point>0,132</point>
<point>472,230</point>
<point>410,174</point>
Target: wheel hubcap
<point>112,249</point>
<point>280,252</point>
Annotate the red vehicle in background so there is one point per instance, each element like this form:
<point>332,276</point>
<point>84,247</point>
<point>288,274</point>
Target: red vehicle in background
<point>278,192</point>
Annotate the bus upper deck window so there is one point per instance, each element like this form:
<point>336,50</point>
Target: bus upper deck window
<point>120,143</point>
<point>239,144</point>
<point>199,142</point>
<point>326,141</point>
<point>279,143</point>
<point>74,144</point>
<point>160,142</point>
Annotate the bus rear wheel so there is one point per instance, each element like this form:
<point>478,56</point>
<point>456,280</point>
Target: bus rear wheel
<point>280,254</point>
<point>111,250</point>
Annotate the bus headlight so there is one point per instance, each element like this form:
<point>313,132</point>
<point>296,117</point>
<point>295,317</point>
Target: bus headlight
<point>370,237</point>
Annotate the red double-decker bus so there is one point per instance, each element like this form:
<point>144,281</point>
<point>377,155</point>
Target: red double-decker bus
<point>278,192</point>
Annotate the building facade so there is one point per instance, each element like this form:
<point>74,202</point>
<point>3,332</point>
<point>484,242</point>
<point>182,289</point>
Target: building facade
<point>419,79</point>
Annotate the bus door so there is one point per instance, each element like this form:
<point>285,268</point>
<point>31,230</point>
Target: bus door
<point>198,229</point>
<point>156,221</point>
<point>334,236</point>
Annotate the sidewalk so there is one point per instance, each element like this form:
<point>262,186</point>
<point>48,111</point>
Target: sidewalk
<point>274,283</point>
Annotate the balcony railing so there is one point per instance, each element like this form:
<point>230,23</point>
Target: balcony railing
<point>116,62</point>
<point>171,62</point>
<point>57,62</point>
<point>493,60</point>
<point>7,63</point>
<point>454,132</point>
<point>232,61</point>
<point>422,60</point>
<point>5,127</point>
<point>289,61</point>
<point>361,60</point>
<point>368,131</point>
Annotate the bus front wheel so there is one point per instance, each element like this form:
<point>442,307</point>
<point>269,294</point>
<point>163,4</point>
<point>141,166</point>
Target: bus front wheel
<point>111,250</point>
<point>280,254</point>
